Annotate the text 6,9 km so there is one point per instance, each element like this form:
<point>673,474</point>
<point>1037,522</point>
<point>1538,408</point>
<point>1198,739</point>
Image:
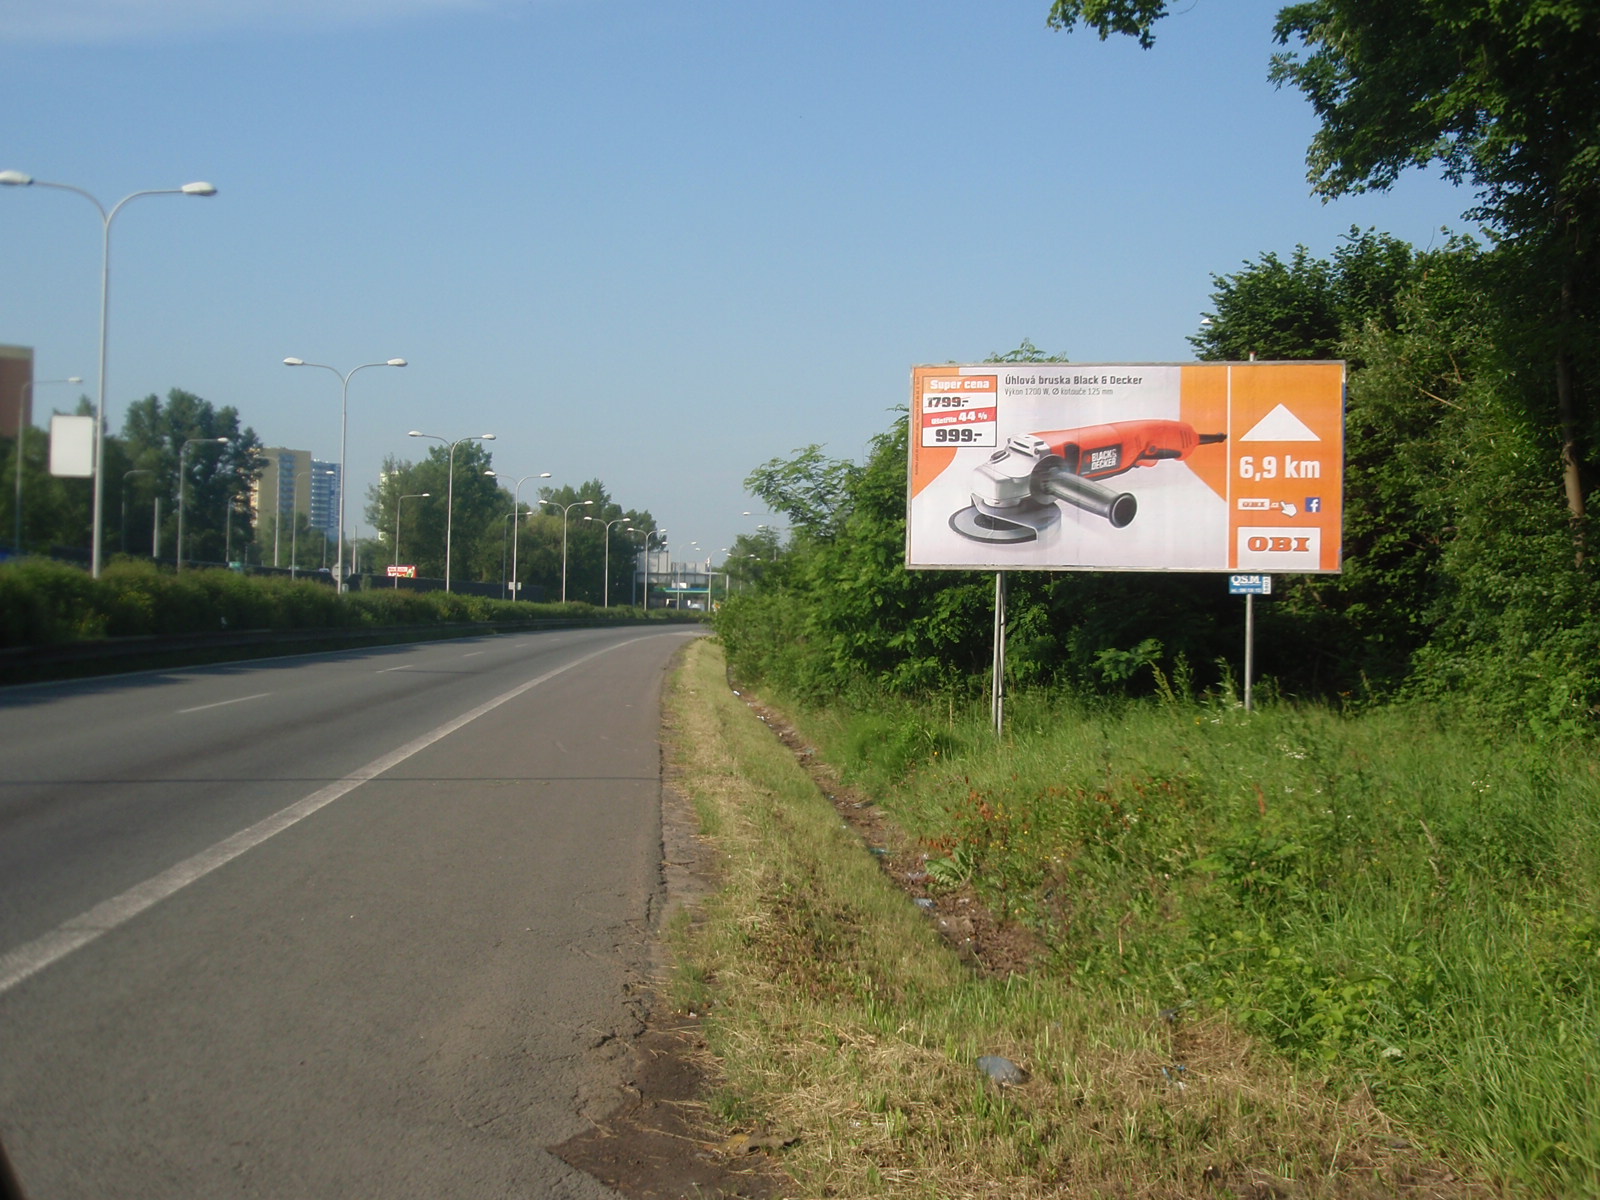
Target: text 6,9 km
<point>1271,466</point>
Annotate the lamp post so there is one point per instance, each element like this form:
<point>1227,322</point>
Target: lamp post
<point>516,527</point>
<point>182,450</point>
<point>566,511</point>
<point>618,521</point>
<point>344,410</point>
<point>22,408</point>
<point>125,477</point>
<point>398,502</point>
<point>774,530</point>
<point>650,533</point>
<point>20,179</point>
<point>450,489</point>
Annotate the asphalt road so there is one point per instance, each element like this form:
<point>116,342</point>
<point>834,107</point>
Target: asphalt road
<point>368,924</point>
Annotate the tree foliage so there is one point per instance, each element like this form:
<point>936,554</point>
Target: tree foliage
<point>217,475</point>
<point>809,489</point>
<point>1504,97</point>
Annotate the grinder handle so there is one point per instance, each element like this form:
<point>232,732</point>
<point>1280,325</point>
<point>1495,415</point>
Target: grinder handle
<point>1117,507</point>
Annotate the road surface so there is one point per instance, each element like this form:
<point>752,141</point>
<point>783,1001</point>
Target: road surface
<point>368,924</point>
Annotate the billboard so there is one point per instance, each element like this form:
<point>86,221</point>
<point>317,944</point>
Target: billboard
<point>1126,467</point>
<point>71,446</point>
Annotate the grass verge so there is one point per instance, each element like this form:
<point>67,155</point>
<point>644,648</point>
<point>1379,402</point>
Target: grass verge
<point>840,1019</point>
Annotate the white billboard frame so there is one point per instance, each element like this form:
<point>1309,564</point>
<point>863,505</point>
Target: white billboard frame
<point>1203,467</point>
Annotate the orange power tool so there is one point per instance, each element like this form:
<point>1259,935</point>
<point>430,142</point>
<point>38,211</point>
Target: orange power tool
<point>1014,492</point>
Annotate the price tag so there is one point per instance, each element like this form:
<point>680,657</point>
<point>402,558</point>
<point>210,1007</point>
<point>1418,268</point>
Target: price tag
<point>960,410</point>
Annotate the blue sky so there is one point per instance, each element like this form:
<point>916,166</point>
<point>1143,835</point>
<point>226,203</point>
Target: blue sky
<point>654,244</point>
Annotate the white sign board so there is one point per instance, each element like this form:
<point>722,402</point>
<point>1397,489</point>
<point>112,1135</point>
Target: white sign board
<point>72,446</point>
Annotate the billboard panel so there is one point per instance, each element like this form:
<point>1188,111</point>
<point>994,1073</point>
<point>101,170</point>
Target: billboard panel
<point>71,446</point>
<point>1127,467</point>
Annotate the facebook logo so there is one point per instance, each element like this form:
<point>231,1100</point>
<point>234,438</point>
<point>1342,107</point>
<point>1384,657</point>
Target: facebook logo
<point>1313,504</point>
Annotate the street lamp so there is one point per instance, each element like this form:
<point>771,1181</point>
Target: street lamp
<point>774,530</point>
<point>22,408</point>
<point>125,477</point>
<point>397,503</point>
<point>566,511</point>
<point>662,533</point>
<point>609,524</point>
<point>182,450</point>
<point>344,409</point>
<point>516,527</point>
<point>450,489</point>
<point>20,179</point>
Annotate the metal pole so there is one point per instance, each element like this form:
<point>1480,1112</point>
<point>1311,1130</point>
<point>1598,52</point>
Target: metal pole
<point>344,424</point>
<point>997,694</point>
<point>277,510</point>
<point>565,513</point>
<point>449,511</point>
<point>1249,646</point>
<point>181,450</point>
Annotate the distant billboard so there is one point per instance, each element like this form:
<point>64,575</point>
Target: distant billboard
<point>1127,467</point>
<point>71,446</point>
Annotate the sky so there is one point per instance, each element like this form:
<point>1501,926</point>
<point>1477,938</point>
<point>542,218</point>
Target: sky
<point>656,245</point>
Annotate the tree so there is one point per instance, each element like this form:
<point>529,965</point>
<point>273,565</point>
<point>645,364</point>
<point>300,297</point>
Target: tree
<point>582,514</point>
<point>809,489</point>
<point>463,504</point>
<point>1026,352</point>
<point>1505,98</point>
<point>218,475</point>
<point>1306,308</point>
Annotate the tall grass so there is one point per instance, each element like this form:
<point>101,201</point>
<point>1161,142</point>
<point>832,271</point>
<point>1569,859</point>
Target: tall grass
<point>838,1015</point>
<point>1388,899</point>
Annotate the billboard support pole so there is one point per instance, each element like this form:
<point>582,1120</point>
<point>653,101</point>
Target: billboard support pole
<point>997,689</point>
<point>1249,646</point>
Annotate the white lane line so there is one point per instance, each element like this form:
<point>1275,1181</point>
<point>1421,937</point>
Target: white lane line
<point>32,957</point>
<point>222,703</point>
<point>401,667</point>
<point>473,654</point>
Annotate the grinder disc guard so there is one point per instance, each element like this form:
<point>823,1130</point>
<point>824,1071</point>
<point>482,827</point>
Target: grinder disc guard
<point>1023,522</point>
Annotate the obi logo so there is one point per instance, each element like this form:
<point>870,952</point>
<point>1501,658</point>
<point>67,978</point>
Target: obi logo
<point>1278,547</point>
<point>1279,544</point>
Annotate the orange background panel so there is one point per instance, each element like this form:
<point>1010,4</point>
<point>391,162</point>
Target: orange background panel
<point>1203,404</point>
<point>927,461</point>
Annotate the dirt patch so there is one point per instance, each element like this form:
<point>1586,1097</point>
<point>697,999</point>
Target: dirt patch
<point>660,1145</point>
<point>982,940</point>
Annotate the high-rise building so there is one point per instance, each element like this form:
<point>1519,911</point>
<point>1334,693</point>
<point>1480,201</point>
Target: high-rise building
<point>325,497</point>
<point>294,482</point>
<point>16,398</point>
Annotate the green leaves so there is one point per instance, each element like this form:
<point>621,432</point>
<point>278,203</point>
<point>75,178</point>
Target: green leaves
<point>1135,18</point>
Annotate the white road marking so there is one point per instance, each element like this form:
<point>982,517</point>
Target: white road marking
<point>33,957</point>
<point>401,667</point>
<point>222,703</point>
